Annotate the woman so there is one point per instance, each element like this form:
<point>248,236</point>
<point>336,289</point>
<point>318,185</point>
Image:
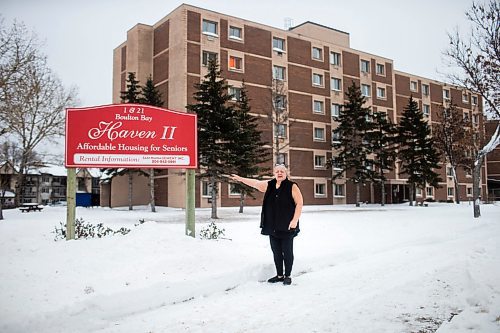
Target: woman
<point>281,210</point>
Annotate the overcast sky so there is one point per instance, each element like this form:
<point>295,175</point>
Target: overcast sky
<point>80,35</point>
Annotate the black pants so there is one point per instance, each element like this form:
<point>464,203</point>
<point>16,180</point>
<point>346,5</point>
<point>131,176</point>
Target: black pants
<point>283,253</point>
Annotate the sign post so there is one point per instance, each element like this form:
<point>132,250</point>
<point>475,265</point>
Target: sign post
<point>132,136</point>
<point>190,203</point>
<point>71,203</point>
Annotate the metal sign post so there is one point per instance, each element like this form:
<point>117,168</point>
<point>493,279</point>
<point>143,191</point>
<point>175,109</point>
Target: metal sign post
<point>190,203</point>
<point>71,202</point>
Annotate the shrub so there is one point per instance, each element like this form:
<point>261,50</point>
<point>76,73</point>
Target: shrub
<point>211,231</point>
<point>87,230</point>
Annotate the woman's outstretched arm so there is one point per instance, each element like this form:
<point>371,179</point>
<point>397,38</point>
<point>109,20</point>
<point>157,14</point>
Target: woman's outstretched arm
<point>260,185</point>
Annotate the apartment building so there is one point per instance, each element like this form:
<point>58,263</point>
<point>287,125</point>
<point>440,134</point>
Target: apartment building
<point>48,184</point>
<point>313,66</point>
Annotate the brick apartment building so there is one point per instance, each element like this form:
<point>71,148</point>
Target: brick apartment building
<point>314,64</point>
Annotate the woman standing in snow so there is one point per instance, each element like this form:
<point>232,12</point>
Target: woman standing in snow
<point>281,210</point>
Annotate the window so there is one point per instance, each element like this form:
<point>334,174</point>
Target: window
<point>317,79</point>
<point>365,66</point>
<point>335,110</point>
<point>279,73</point>
<point>380,69</point>
<point>425,89</point>
<point>450,191</point>
<point>233,190</point>
<point>208,56</point>
<point>426,110</point>
<point>210,27</point>
<point>429,191</point>
<point>381,93</point>
<point>335,137</point>
<point>418,192</point>
<point>320,190</point>
<point>465,98</point>
<point>365,90</point>
<point>446,94</point>
<point>336,164</point>
<point>280,102</point>
<point>278,44</point>
<point>235,92</point>
<point>413,86</point>
<point>319,107</point>
<point>339,190</point>
<point>469,191</point>
<point>336,84</point>
<point>319,161</point>
<point>282,159</point>
<point>474,100</point>
<point>475,119</point>
<point>449,172</point>
<point>281,130</point>
<point>319,134</point>
<point>235,33</point>
<point>235,63</point>
<point>206,189</point>
<point>335,58</point>
<point>317,53</point>
<point>468,173</point>
<point>466,116</point>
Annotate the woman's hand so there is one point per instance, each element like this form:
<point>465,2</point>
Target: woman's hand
<point>292,225</point>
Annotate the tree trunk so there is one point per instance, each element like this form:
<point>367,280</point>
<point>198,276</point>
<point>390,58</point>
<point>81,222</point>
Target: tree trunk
<point>476,180</point>
<point>242,201</point>
<point>382,199</point>
<point>20,183</point>
<point>152,189</point>
<point>213,183</point>
<point>358,197</point>
<point>455,184</point>
<point>411,190</point>
<point>1,203</point>
<point>130,179</point>
<point>110,189</point>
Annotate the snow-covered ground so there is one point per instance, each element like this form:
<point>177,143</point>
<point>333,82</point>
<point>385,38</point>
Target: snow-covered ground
<point>368,269</point>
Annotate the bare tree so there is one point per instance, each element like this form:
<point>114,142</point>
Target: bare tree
<point>476,58</point>
<point>279,117</point>
<point>453,137</point>
<point>32,99</point>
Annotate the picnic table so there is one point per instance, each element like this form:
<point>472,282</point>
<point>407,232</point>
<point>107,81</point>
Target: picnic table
<point>30,207</point>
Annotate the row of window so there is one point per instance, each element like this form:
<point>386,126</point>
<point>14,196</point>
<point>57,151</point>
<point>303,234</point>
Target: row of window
<point>319,190</point>
<point>279,45</point>
<point>211,28</point>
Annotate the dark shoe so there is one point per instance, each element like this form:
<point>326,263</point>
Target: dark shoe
<point>287,281</point>
<point>276,279</point>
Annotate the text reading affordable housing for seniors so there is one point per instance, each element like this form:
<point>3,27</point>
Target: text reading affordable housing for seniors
<point>130,135</point>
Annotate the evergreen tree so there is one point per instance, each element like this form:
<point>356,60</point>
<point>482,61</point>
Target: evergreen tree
<point>382,139</point>
<point>151,96</point>
<point>132,94</point>
<point>453,135</point>
<point>353,151</point>
<point>216,128</point>
<point>248,150</point>
<point>417,151</point>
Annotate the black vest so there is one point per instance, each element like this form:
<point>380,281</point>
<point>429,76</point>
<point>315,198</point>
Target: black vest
<point>278,209</point>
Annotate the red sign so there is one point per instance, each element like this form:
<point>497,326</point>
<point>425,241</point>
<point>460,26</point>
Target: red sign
<point>130,136</point>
